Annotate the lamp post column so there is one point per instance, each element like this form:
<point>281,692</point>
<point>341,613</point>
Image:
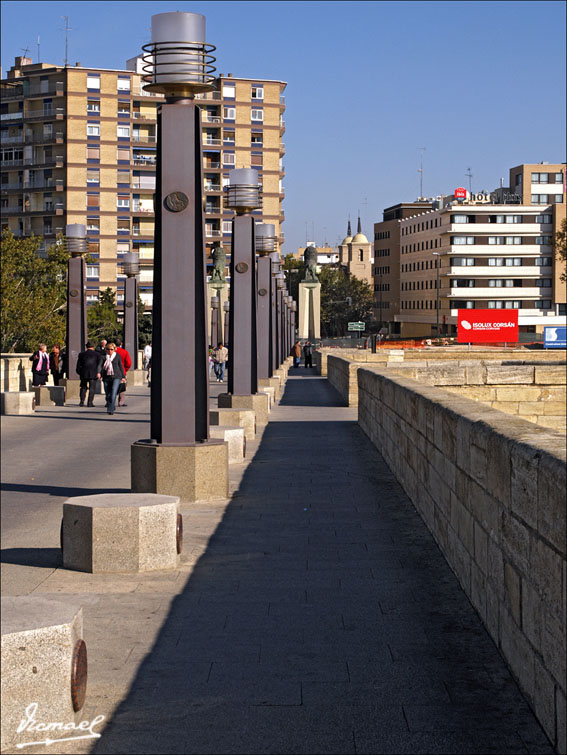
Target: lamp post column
<point>75,236</point>
<point>215,307</point>
<point>265,245</point>
<point>131,266</point>
<point>226,310</point>
<point>273,316</point>
<point>180,459</point>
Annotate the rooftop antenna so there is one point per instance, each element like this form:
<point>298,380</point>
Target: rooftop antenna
<point>38,55</point>
<point>67,30</point>
<point>365,205</point>
<point>306,233</point>
<point>325,234</point>
<point>420,170</point>
<point>25,50</point>
<point>470,175</point>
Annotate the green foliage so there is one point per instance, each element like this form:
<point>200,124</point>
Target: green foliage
<point>144,325</point>
<point>102,321</point>
<point>560,247</point>
<point>33,292</point>
<point>336,286</point>
<point>294,270</point>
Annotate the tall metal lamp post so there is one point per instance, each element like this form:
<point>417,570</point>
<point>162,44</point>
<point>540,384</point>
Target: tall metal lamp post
<point>215,320</point>
<point>180,459</point>
<point>265,245</point>
<point>131,267</point>
<point>76,241</point>
<point>226,311</point>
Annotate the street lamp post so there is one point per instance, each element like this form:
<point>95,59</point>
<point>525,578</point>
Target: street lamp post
<point>226,310</point>
<point>76,241</point>
<point>131,267</point>
<point>265,245</point>
<point>215,320</point>
<point>180,459</point>
<point>280,283</point>
<point>437,267</point>
<point>275,266</point>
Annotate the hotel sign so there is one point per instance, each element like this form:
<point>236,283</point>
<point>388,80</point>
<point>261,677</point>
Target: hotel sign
<point>487,326</point>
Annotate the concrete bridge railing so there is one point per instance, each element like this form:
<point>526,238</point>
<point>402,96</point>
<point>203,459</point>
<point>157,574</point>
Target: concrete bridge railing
<point>491,489</point>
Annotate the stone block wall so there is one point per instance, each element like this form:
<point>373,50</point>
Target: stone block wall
<point>15,372</point>
<point>491,489</point>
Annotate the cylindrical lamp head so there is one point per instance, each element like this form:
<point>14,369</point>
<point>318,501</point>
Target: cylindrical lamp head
<point>131,264</point>
<point>276,263</point>
<point>215,302</point>
<point>177,62</point>
<point>294,306</point>
<point>76,239</point>
<point>225,306</point>
<point>266,238</point>
<point>242,193</point>
<point>280,280</point>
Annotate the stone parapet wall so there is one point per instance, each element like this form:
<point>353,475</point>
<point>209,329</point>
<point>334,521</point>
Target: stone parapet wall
<point>15,372</point>
<point>536,392</point>
<point>491,489</point>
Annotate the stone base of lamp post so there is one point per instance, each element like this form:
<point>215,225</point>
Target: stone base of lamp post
<point>18,402</point>
<point>194,473</point>
<point>244,418</point>
<point>281,373</point>
<point>47,395</point>
<point>72,388</point>
<point>137,377</point>
<point>257,402</point>
<point>273,382</point>
<point>235,438</point>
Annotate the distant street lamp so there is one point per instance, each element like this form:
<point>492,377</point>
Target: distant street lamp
<point>226,310</point>
<point>131,267</point>
<point>266,242</point>
<point>215,320</point>
<point>76,242</point>
<point>243,196</point>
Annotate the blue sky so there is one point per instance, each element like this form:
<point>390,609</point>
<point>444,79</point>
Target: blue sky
<point>479,84</point>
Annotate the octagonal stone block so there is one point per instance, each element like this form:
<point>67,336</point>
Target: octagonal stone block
<point>120,532</point>
<point>235,438</point>
<point>48,395</point>
<point>18,402</point>
<point>244,418</point>
<point>39,637</point>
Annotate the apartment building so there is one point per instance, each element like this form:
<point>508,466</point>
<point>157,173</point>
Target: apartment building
<point>386,269</point>
<point>478,255</point>
<point>78,145</point>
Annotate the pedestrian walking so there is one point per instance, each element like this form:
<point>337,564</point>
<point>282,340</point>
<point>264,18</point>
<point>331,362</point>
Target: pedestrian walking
<point>147,355</point>
<point>296,353</point>
<point>101,348</point>
<point>113,375</point>
<point>40,365</point>
<point>56,365</point>
<point>126,363</point>
<point>308,354</point>
<point>89,364</point>
<point>220,357</point>
<point>211,362</point>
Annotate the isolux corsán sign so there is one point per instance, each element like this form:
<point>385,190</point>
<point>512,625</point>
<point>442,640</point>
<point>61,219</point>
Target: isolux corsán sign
<point>487,325</point>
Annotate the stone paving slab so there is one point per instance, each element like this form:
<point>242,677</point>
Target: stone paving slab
<point>310,613</point>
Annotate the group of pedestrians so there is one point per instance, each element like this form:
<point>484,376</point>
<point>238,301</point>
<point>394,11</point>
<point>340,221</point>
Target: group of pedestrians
<point>108,362</point>
<point>307,354</point>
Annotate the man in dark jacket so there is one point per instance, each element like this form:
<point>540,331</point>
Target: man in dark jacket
<point>88,367</point>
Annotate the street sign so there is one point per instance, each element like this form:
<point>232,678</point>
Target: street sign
<point>555,338</point>
<point>356,326</point>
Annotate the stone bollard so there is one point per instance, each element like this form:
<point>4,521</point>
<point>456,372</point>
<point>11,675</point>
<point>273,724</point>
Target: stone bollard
<point>235,438</point>
<point>44,662</point>
<point>244,418</point>
<point>49,395</point>
<point>121,532</point>
<point>273,382</point>
<point>271,394</point>
<point>257,402</point>
<point>137,377</point>
<point>18,402</point>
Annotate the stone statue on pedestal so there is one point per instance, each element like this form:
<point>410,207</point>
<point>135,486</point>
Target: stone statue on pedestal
<point>219,264</point>
<point>310,259</point>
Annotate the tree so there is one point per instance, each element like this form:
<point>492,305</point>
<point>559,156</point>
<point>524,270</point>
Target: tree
<point>344,299</point>
<point>33,292</point>
<point>560,247</point>
<point>144,325</point>
<point>102,320</point>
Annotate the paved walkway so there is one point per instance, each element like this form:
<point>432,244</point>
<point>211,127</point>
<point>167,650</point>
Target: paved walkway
<point>312,613</point>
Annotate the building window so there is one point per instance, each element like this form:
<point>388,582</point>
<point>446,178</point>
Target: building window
<point>543,304</point>
<point>229,158</point>
<point>462,261</point>
<point>93,130</point>
<point>227,226</point>
<point>457,240</point>
<point>459,218</point>
<point>228,137</point>
<point>123,84</point>
<point>543,283</point>
<point>544,219</point>
<point>544,240</point>
<point>229,91</point>
<point>462,283</point>
<point>123,107</point>
<point>93,225</point>
<point>92,271</point>
<point>92,298</point>
<point>257,93</point>
<point>257,139</point>
<point>93,82</point>
<point>229,113</point>
<point>123,203</point>
<point>93,153</point>
<point>123,132</point>
<point>93,175</point>
<point>123,225</point>
<point>256,114</point>
<point>93,200</point>
<point>93,106</point>
<point>542,261</point>
<point>123,153</point>
<point>558,198</point>
<point>513,239</point>
<point>540,199</point>
<point>123,177</point>
<point>540,178</point>
<point>256,160</point>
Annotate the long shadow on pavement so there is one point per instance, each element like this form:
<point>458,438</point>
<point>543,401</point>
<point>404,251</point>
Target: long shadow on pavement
<point>58,490</point>
<point>322,618</point>
<point>38,557</point>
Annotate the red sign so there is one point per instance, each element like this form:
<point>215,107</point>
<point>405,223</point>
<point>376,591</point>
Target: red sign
<point>488,325</point>
<point>460,193</point>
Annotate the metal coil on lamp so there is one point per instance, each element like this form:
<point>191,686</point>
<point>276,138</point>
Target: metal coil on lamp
<point>76,239</point>
<point>130,264</point>
<point>266,240</point>
<point>191,72</point>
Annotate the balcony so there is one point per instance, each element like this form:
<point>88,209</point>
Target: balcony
<point>143,186</point>
<point>212,233</point>
<point>144,161</point>
<point>144,116</point>
<point>144,139</point>
<point>499,292</point>
<point>11,163</point>
<point>51,162</point>
<point>212,209</point>
<point>11,116</point>
<point>34,186</point>
<point>210,142</point>
<point>56,89</point>
<point>7,141</point>
<point>206,118</point>
<point>46,113</point>
<point>212,166</point>
<point>140,209</point>
<point>53,138</point>
<point>213,187</point>
<point>500,271</point>
<point>208,96</point>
